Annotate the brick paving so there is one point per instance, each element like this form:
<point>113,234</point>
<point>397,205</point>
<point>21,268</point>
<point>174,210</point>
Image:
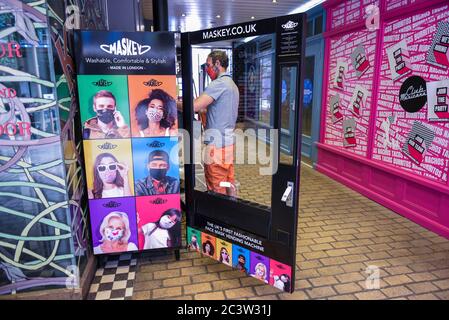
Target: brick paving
<point>340,234</point>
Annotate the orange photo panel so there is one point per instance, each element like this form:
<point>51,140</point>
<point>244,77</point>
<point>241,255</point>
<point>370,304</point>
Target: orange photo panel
<point>208,245</point>
<point>153,110</point>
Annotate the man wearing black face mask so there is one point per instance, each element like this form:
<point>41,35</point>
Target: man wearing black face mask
<point>157,181</point>
<point>109,122</point>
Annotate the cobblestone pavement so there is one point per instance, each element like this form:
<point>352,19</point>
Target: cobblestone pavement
<point>340,234</point>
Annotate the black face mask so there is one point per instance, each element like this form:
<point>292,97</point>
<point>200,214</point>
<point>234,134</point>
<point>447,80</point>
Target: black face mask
<point>158,174</point>
<point>105,116</point>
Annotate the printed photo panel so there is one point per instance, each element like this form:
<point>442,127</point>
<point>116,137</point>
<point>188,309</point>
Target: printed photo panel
<point>153,108</point>
<point>340,75</point>
<point>224,252</point>
<point>418,141</point>
<point>438,54</point>
<point>240,258</point>
<point>208,245</point>
<point>399,60</point>
<point>260,267</point>
<point>108,162</point>
<point>108,116</point>
<point>114,226</point>
<point>280,275</point>
<point>194,239</point>
<point>156,166</point>
<point>438,101</point>
<point>159,221</point>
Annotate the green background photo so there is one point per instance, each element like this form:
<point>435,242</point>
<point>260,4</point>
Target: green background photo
<point>88,87</point>
<point>190,232</point>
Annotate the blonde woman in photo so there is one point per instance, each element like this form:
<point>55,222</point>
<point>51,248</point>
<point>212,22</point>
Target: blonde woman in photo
<point>115,233</point>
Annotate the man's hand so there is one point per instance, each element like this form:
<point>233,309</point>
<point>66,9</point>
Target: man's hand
<point>202,102</point>
<point>119,120</point>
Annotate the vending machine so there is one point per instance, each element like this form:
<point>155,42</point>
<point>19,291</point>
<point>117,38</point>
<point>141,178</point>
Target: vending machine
<point>243,210</point>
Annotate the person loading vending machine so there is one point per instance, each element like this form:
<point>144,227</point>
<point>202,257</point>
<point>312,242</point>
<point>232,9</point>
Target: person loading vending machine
<point>220,99</point>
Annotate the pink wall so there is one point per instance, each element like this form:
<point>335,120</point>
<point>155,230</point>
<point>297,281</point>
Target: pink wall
<point>396,157</point>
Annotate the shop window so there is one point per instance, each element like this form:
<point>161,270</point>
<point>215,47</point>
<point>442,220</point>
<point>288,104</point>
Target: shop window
<point>318,25</point>
<point>308,96</point>
<point>310,28</point>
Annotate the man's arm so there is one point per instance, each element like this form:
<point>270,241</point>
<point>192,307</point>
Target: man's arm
<point>202,102</point>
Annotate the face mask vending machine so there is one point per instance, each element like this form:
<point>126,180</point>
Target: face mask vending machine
<point>252,225</point>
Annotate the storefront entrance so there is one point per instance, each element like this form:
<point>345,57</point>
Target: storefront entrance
<point>312,85</point>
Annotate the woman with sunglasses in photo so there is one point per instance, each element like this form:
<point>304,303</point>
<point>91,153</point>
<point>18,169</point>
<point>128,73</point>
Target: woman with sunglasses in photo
<point>157,115</point>
<point>224,256</point>
<point>110,178</point>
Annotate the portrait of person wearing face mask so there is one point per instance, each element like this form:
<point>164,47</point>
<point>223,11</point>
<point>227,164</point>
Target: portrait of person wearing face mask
<point>282,282</point>
<point>108,122</point>
<point>110,178</point>
<point>115,233</point>
<point>193,245</point>
<point>240,265</point>
<point>224,256</point>
<point>260,272</point>
<point>208,248</point>
<point>165,233</point>
<point>157,115</point>
<point>157,181</point>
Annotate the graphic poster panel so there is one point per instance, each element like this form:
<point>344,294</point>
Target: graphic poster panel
<point>126,53</point>
<point>438,101</point>
<point>358,100</point>
<point>193,239</point>
<point>104,103</point>
<point>108,165</point>
<point>349,133</point>
<point>418,140</point>
<point>240,258</point>
<point>399,60</point>
<point>438,54</point>
<point>224,252</point>
<point>351,65</point>
<point>116,71</point>
<point>114,227</point>
<point>415,100</point>
<point>159,221</point>
<point>208,245</point>
<point>335,108</point>
<point>260,267</point>
<point>153,108</point>
<point>359,60</point>
<point>340,74</point>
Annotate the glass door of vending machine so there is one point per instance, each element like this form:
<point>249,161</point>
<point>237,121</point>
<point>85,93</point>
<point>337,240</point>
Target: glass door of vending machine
<point>250,198</point>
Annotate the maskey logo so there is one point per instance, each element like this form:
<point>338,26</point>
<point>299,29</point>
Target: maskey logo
<point>125,47</point>
<point>290,25</point>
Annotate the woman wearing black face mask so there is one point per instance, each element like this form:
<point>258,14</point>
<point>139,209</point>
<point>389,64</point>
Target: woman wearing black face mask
<point>157,182</point>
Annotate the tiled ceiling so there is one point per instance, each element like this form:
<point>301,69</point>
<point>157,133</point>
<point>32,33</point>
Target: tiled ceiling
<point>203,14</point>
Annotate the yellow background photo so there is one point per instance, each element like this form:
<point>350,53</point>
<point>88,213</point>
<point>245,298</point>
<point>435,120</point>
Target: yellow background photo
<point>119,148</point>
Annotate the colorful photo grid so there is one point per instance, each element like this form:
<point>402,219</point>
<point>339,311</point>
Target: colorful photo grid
<point>269,271</point>
<point>131,155</point>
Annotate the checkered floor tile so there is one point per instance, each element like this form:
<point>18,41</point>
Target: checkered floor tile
<point>114,281</point>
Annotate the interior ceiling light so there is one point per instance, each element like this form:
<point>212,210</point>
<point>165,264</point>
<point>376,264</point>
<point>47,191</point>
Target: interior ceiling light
<point>183,14</point>
<point>253,17</point>
<point>307,6</point>
<point>218,16</point>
